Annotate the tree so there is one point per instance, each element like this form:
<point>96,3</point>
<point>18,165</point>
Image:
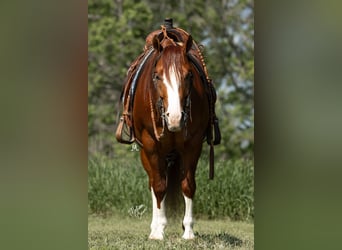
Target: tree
<point>115,29</point>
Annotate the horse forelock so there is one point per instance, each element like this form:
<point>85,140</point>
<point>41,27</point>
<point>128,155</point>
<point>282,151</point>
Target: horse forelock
<point>173,61</point>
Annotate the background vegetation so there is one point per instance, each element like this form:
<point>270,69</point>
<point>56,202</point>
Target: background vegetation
<point>121,187</point>
<point>116,36</point>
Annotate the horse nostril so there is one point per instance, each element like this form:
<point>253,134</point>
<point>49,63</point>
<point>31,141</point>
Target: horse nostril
<point>167,114</point>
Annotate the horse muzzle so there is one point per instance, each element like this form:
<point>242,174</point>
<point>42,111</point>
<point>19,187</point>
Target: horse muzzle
<point>174,122</point>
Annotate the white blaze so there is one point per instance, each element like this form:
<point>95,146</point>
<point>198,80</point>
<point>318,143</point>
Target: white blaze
<point>174,112</point>
<point>158,218</point>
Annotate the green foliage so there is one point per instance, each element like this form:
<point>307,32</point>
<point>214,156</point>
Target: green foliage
<point>116,36</point>
<point>116,185</point>
<point>231,193</point>
<point>113,32</point>
<point>122,186</point>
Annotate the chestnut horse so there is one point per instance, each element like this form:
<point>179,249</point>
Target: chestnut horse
<point>171,117</point>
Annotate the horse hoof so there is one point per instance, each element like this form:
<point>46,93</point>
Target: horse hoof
<point>188,235</point>
<point>156,236</point>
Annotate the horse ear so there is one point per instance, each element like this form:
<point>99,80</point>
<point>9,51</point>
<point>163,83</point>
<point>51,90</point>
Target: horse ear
<point>156,44</point>
<point>188,44</point>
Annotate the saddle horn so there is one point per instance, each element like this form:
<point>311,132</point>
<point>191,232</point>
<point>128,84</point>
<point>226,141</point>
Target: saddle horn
<point>168,23</point>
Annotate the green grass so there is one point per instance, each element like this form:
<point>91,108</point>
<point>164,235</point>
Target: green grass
<point>116,232</point>
<point>120,186</point>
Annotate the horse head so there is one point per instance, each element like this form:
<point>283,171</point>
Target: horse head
<point>172,78</point>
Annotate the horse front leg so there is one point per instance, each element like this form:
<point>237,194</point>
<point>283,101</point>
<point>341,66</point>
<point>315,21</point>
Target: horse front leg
<point>189,164</point>
<point>157,184</point>
<point>159,220</point>
<point>188,188</point>
<point>188,221</point>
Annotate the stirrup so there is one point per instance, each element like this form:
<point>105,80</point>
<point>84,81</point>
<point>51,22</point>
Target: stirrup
<point>124,133</point>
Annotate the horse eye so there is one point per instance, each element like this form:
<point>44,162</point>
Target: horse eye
<point>156,77</point>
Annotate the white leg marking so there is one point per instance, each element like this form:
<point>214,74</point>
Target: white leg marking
<point>188,220</point>
<point>158,219</point>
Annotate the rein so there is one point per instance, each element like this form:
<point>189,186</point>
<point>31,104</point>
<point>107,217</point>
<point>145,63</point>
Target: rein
<point>154,121</point>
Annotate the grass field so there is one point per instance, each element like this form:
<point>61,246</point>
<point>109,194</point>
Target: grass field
<point>116,232</point>
<point>120,207</point>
